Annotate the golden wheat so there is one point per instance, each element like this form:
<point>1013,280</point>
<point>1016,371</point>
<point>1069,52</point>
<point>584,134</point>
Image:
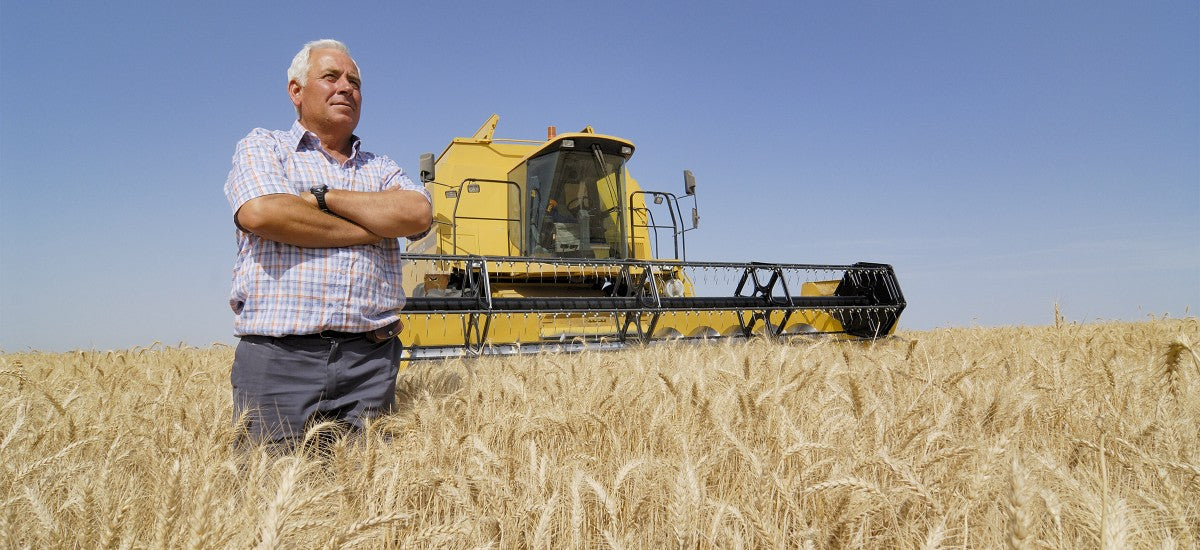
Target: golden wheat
<point>1062,436</point>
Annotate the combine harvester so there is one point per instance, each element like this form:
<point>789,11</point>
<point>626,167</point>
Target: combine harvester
<point>552,245</point>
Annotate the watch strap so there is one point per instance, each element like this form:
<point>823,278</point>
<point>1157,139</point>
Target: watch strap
<point>319,191</point>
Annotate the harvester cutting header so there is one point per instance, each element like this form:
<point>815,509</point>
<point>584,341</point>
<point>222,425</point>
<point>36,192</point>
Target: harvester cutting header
<point>553,245</point>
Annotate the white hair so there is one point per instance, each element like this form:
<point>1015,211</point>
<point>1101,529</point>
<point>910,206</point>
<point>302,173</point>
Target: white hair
<point>300,64</point>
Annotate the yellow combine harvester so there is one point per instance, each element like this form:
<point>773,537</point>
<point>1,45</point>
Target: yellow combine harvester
<point>552,245</point>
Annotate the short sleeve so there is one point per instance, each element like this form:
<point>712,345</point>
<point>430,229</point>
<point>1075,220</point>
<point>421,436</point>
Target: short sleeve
<point>400,180</point>
<point>257,169</point>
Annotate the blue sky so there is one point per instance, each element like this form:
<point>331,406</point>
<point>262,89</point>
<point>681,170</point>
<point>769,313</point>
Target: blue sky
<point>1003,157</point>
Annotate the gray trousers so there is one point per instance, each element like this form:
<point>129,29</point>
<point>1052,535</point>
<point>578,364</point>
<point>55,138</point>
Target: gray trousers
<point>283,385</point>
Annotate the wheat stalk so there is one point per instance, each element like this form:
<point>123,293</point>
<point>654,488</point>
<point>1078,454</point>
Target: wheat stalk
<point>577,515</point>
<point>602,495</point>
<point>436,535</point>
<point>277,511</point>
<point>687,496</point>
<point>848,482</point>
<point>1171,368</point>
<point>1020,523</point>
<point>541,533</point>
<point>935,536</point>
<point>14,429</point>
<point>169,513</point>
<point>1116,528</point>
<point>41,511</point>
<point>624,472</point>
<point>359,528</point>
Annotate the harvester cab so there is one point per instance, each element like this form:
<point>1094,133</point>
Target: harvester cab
<point>574,187</point>
<point>552,244</point>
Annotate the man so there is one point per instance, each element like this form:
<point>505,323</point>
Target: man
<point>316,285</point>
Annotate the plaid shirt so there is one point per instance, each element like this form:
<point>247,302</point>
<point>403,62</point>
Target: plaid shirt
<point>280,289</point>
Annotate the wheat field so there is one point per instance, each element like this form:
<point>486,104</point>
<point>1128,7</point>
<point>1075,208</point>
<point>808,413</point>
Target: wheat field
<point>1066,436</point>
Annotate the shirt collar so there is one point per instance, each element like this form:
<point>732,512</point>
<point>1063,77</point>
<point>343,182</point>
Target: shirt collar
<point>299,133</point>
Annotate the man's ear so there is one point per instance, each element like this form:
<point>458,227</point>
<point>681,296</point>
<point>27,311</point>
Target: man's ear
<point>294,92</point>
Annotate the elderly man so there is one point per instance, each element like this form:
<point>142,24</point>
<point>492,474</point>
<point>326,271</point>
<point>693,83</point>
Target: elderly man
<point>316,285</point>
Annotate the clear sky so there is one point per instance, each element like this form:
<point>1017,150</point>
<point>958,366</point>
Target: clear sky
<point>1002,156</point>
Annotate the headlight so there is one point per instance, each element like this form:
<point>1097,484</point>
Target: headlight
<point>673,288</point>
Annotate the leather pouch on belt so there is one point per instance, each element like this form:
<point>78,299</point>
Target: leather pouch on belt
<point>384,333</point>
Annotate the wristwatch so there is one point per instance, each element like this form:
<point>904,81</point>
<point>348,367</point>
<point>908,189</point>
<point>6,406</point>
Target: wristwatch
<point>318,191</point>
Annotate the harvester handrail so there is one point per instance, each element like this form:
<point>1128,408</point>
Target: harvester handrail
<point>518,141</point>
<point>677,234</point>
<point>458,200</point>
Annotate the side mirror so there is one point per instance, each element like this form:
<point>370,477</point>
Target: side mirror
<point>689,182</point>
<point>427,168</point>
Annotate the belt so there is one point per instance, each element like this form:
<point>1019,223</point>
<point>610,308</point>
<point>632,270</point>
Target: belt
<point>379,335</point>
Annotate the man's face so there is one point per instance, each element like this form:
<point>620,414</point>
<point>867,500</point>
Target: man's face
<point>330,97</point>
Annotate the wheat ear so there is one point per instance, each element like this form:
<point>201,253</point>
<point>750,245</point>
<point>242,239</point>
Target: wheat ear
<point>1020,530</point>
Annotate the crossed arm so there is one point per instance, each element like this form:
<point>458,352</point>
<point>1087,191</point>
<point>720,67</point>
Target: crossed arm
<point>362,217</point>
